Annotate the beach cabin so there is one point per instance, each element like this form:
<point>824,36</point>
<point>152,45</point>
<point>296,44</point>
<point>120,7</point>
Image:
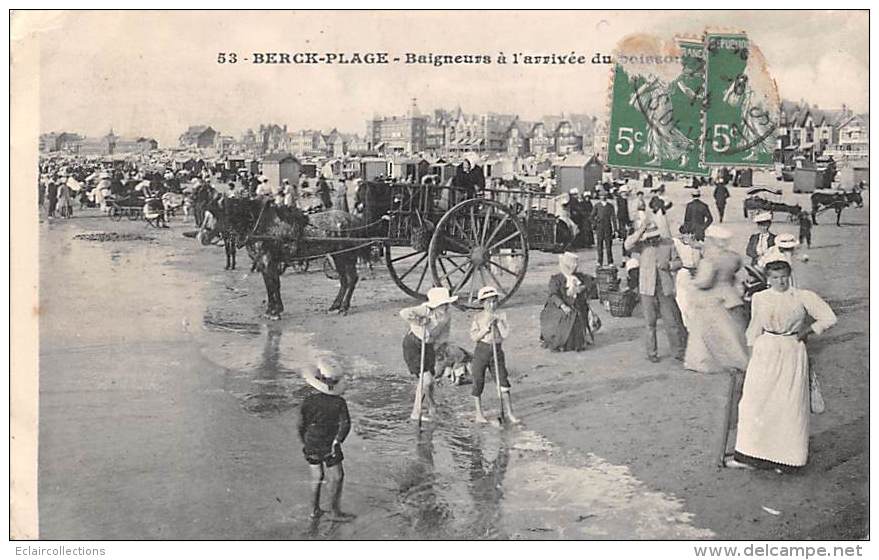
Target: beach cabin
<point>409,169</point>
<point>442,169</point>
<point>372,168</point>
<point>578,172</point>
<point>280,166</point>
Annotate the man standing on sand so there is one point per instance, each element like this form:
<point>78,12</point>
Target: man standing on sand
<point>624,222</point>
<point>698,216</point>
<point>721,193</point>
<point>603,219</point>
<point>657,287</point>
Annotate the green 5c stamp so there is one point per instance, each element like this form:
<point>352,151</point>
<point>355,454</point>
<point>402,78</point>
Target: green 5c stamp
<point>656,106</point>
<point>741,104</point>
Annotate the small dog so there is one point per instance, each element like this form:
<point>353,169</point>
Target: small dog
<point>453,363</point>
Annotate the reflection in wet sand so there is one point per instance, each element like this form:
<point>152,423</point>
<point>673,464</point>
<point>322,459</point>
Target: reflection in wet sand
<point>453,479</point>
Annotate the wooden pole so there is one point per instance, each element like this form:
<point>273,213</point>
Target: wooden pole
<point>497,373</point>
<point>420,391</point>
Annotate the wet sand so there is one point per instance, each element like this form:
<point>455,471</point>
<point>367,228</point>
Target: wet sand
<point>169,406</point>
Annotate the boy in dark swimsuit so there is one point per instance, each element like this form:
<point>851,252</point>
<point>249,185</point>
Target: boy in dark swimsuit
<point>323,426</point>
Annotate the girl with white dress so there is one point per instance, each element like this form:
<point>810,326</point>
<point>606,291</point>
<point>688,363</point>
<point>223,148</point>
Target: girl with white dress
<point>773,425</point>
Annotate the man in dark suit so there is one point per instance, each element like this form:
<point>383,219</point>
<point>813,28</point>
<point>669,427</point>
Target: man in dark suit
<point>586,208</point>
<point>721,193</point>
<point>698,216</point>
<point>603,220</point>
<point>624,222</point>
<point>761,241</point>
<point>575,211</point>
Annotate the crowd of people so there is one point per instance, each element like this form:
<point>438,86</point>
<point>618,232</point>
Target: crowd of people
<point>64,183</point>
<point>688,281</point>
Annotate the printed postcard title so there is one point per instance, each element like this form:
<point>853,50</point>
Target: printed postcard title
<point>572,58</point>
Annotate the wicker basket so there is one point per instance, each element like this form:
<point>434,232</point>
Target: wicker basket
<point>621,303</point>
<point>606,279</point>
<point>611,287</point>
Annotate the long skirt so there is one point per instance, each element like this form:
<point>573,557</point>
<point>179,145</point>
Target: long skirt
<point>683,288</point>
<point>774,410</point>
<point>561,332</point>
<point>716,336</point>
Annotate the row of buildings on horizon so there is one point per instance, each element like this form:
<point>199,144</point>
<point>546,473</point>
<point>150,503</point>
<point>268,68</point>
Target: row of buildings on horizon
<point>803,130</point>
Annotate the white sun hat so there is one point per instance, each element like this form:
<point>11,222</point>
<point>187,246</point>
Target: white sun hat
<point>439,296</point>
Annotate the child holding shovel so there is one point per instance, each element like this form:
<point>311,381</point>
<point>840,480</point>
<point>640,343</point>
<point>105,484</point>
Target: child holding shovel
<point>488,330</point>
<point>429,325</point>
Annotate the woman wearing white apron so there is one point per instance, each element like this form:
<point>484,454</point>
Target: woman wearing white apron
<point>773,426</point>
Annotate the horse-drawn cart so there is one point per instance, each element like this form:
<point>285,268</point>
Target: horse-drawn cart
<point>428,235</point>
<point>763,199</point>
<point>440,236</point>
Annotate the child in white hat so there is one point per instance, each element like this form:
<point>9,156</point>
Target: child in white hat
<point>429,324</point>
<point>324,424</point>
<point>490,328</point>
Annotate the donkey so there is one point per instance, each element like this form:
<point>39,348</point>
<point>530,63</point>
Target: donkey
<point>275,236</point>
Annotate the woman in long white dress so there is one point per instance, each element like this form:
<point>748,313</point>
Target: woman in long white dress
<point>690,252</point>
<point>773,426</point>
<point>716,340</point>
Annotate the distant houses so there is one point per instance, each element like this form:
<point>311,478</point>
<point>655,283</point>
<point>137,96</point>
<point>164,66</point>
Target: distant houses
<point>199,136</point>
<point>109,144</point>
<point>813,132</point>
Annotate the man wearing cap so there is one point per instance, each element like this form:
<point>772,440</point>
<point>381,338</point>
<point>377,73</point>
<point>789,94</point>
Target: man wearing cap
<point>698,216</point>
<point>603,220</point>
<point>721,193</point>
<point>657,287</point>
<point>761,241</point>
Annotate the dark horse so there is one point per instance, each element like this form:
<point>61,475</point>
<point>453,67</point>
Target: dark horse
<point>277,235</point>
<point>837,201</point>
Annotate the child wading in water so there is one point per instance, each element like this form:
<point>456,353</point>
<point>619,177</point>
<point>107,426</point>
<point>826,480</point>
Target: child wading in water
<point>490,328</point>
<point>429,322</point>
<point>323,426</point>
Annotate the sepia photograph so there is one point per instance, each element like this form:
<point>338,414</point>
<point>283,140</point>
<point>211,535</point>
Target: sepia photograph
<point>440,275</point>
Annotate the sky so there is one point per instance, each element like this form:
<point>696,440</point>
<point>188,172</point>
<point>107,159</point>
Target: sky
<point>155,73</point>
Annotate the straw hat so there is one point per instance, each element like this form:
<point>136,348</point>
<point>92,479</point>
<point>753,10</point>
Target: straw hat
<point>786,241</point>
<point>439,296</point>
<point>487,292</point>
<point>574,191</point>
<point>325,376</point>
<point>632,264</point>
<point>763,217</point>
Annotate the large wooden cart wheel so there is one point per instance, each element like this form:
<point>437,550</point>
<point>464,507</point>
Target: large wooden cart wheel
<point>408,267</point>
<point>479,243</point>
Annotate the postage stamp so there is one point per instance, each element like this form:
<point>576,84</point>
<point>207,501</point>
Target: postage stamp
<point>741,103</point>
<point>656,106</point>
